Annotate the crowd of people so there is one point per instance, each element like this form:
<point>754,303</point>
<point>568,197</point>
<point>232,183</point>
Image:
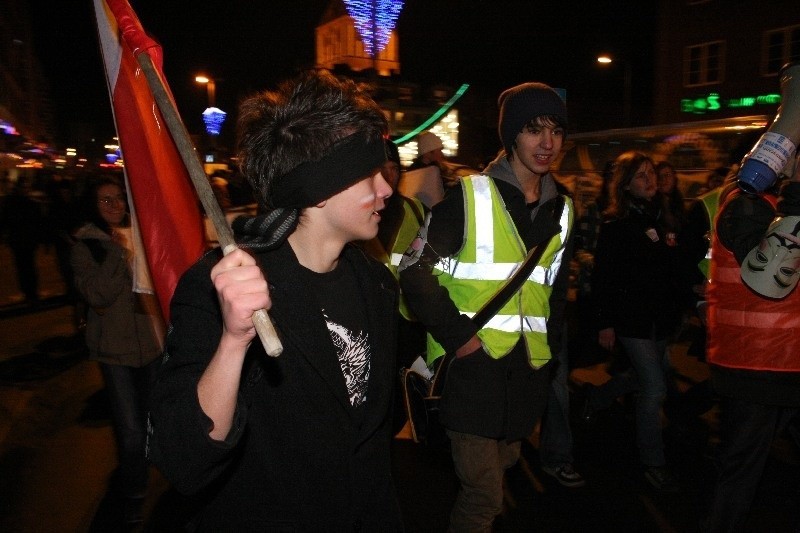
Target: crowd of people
<point>83,220</point>
<point>40,212</point>
<point>302,441</point>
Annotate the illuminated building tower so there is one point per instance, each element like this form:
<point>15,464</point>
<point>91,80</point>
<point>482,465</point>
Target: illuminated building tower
<point>339,41</point>
<point>347,33</point>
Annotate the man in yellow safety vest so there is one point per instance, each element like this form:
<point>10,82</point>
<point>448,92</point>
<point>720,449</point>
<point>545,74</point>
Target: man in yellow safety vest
<point>498,383</point>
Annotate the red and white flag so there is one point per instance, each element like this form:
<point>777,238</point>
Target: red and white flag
<point>163,200</point>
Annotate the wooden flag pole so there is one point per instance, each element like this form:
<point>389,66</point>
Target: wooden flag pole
<point>263,324</point>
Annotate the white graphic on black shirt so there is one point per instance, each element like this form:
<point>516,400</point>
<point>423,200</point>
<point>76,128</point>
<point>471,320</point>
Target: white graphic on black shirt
<point>353,351</point>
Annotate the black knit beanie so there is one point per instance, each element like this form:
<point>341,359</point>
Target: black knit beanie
<point>518,105</point>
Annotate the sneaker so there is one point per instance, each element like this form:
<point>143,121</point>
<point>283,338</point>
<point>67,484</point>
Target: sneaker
<point>661,479</point>
<point>566,475</point>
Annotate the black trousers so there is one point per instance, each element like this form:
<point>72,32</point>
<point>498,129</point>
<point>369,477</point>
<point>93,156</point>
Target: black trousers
<point>129,394</point>
<point>747,432</point>
<point>25,263</point>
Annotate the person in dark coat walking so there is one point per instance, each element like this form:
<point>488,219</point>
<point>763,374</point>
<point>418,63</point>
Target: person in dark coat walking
<point>22,223</point>
<point>300,442</point>
<point>636,280</point>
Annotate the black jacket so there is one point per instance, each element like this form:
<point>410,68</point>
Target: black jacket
<point>637,278</point>
<point>299,457</point>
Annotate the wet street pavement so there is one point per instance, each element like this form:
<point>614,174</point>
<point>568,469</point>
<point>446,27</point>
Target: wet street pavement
<point>57,451</point>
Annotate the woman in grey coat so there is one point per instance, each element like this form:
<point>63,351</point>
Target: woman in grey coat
<point>123,332</point>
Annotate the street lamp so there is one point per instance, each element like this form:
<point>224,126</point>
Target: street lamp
<point>626,109</point>
<point>211,87</point>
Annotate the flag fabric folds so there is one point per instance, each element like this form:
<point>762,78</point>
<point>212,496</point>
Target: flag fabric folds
<point>162,198</point>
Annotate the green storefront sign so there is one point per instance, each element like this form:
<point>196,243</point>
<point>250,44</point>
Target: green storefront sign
<point>714,102</point>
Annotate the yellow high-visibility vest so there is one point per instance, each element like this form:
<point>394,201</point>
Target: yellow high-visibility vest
<point>492,252</point>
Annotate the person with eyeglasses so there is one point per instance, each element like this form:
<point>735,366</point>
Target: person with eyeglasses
<point>124,332</point>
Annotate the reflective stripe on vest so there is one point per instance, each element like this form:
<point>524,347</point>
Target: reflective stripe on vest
<point>492,252</point>
<point>395,260</point>
<point>402,240</point>
<point>413,209</point>
<point>511,323</point>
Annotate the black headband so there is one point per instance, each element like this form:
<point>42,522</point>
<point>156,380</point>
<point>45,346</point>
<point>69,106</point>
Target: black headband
<point>350,160</point>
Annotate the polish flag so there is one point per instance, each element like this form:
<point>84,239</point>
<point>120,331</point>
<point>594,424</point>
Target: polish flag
<point>163,202</point>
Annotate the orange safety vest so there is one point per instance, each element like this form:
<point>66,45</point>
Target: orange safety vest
<point>746,330</point>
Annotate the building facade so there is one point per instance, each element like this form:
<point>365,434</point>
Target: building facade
<point>721,58</point>
<point>25,108</point>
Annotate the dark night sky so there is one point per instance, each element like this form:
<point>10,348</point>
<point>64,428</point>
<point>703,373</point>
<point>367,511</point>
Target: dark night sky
<point>250,45</point>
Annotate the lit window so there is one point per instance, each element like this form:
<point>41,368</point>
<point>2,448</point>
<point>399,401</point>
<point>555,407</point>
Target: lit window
<point>704,64</point>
